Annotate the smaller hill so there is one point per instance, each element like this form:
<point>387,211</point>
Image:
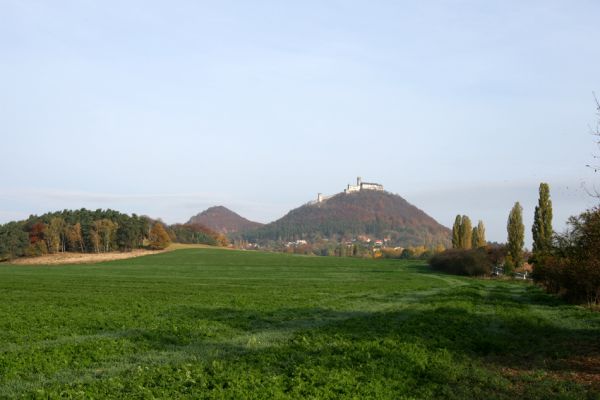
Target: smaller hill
<point>223,220</point>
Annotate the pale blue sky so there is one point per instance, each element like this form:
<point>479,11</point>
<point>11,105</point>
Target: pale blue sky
<point>166,108</point>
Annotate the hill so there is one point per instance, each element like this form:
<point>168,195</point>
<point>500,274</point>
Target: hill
<point>376,214</point>
<point>223,220</point>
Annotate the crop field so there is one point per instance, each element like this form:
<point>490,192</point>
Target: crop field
<point>208,323</point>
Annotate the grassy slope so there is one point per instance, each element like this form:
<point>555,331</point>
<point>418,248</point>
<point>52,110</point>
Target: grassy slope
<point>211,323</point>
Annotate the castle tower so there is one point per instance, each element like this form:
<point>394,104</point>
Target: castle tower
<point>358,181</point>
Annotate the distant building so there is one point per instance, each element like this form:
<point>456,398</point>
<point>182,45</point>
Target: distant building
<point>296,243</point>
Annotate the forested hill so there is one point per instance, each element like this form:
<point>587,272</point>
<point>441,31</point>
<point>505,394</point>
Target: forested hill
<point>375,214</point>
<point>223,220</point>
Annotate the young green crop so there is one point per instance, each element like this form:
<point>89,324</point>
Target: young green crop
<point>206,323</point>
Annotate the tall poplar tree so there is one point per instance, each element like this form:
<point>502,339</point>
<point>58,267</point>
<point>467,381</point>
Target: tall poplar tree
<point>456,232</point>
<point>542,221</point>
<point>475,238</point>
<point>516,234</point>
<point>481,242</point>
<point>466,232</point>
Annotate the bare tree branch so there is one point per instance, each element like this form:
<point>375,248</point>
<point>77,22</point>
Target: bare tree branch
<point>596,132</point>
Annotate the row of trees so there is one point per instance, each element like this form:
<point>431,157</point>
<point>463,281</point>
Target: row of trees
<point>411,252</point>
<point>196,234</point>
<point>465,237</point>
<point>567,264</point>
<point>98,231</point>
<point>541,230</point>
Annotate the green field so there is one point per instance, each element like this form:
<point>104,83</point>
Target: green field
<point>206,323</point>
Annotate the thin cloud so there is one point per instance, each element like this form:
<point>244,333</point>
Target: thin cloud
<point>103,197</point>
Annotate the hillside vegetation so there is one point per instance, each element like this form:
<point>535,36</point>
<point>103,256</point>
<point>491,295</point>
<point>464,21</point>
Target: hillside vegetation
<point>371,213</point>
<point>223,220</point>
<point>208,323</point>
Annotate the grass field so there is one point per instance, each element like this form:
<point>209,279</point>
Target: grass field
<point>204,323</point>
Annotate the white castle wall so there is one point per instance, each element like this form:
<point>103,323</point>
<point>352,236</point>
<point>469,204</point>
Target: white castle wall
<point>360,185</point>
<point>352,188</point>
<point>371,186</point>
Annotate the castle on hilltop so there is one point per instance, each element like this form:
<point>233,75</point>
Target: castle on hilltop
<point>360,185</point>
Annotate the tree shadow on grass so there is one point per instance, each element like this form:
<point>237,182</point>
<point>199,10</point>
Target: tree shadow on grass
<point>441,350</point>
<point>435,348</point>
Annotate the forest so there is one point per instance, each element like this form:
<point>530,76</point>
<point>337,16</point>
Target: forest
<point>98,231</point>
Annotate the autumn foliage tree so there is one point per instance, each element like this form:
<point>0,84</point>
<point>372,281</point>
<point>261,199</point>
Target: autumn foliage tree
<point>75,237</point>
<point>159,238</point>
<point>54,235</point>
<point>37,245</point>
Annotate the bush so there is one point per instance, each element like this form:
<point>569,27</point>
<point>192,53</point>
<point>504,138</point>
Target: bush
<point>549,271</point>
<point>572,269</point>
<point>462,262</point>
<point>38,248</point>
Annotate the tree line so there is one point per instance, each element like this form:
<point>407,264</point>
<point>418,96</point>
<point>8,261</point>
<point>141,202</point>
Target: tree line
<point>566,263</point>
<point>464,236</point>
<point>99,231</point>
<point>511,255</point>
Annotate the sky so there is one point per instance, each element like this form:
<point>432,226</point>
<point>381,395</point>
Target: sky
<point>167,108</point>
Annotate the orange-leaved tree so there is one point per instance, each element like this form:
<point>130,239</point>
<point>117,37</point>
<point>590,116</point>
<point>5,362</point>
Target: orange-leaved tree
<point>159,238</point>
